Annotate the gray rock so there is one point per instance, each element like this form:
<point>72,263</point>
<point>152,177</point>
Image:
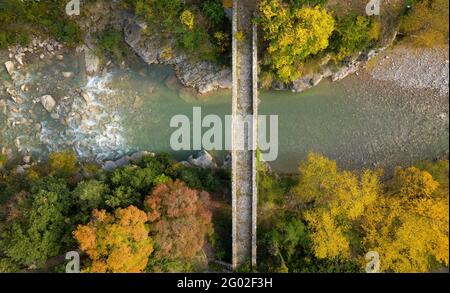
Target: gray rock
<point>137,156</point>
<point>205,76</point>
<point>91,60</point>
<point>203,160</point>
<point>48,102</point>
<point>227,162</point>
<point>302,83</point>
<point>122,161</point>
<point>26,159</point>
<point>345,71</point>
<point>20,170</point>
<point>109,166</point>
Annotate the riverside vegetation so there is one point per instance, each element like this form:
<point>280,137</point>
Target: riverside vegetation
<point>156,215</point>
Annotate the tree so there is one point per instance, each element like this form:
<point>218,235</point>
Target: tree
<point>354,34</point>
<point>336,201</point>
<point>179,221</point>
<point>62,163</point>
<point>90,194</point>
<point>40,230</point>
<point>406,221</point>
<point>116,243</point>
<point>292,35</point>
<point>409,226</point>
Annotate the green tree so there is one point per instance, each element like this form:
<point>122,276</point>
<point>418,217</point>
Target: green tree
<point>90,194</point>
<point>354,34</point>
<point>41,231</point>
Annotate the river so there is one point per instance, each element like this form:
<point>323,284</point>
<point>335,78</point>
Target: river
<point>358,121</point>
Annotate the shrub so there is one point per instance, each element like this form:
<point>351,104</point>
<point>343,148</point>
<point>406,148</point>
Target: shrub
<point>354,34</point>
<point>110,42</point>
<point>187,19</point>
<point>213,10</point>
<point>426,24</point>
<point>62,164</point>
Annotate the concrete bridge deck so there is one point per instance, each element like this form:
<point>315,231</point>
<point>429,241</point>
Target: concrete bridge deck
<point>244,135</point>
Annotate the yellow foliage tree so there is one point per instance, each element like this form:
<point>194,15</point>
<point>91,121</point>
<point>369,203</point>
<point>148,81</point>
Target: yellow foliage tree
<point>406,222</point>
<point>293,35</point>
<point>116,243</point>
<point>409,226</point>
<point>336,201</point>
<point>187,19</point>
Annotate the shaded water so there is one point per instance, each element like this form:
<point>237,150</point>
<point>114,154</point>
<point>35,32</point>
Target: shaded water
<point>360,124</point>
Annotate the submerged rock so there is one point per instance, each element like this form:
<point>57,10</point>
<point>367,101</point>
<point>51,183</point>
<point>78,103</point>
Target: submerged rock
<point>10,68</point>
<point>48,102</point>
<point>92,61</point>
<point>67,74</point>
<point>87,97</point>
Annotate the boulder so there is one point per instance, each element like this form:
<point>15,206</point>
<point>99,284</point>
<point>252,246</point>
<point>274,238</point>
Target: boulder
<point>92,61</point>
<point>48,102</point>
<point>67,74</point>
<point>87,97</point>
<point>122,161</point>
<point>10,68</point>
<point>137,156</point>
<point>203,160</point>
<point>109,166</point>
<point>20,170</point>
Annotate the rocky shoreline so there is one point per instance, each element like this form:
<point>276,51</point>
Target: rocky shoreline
<point>425,68</point>
<point>205,76</point>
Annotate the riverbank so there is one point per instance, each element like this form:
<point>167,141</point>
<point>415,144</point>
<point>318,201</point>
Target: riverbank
<point>415,68</point>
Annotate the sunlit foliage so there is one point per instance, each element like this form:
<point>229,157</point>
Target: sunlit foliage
<point>427,23</point>
<point>116,243</point>
<point>180,221</point>
<point>293,34</point>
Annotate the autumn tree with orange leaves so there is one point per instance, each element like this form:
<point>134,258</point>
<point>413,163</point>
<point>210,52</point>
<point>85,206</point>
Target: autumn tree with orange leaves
<point>116,243</point>
<point>180,221</point>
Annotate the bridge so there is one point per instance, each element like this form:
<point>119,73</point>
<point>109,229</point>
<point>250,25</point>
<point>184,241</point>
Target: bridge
<point>244,133</point>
